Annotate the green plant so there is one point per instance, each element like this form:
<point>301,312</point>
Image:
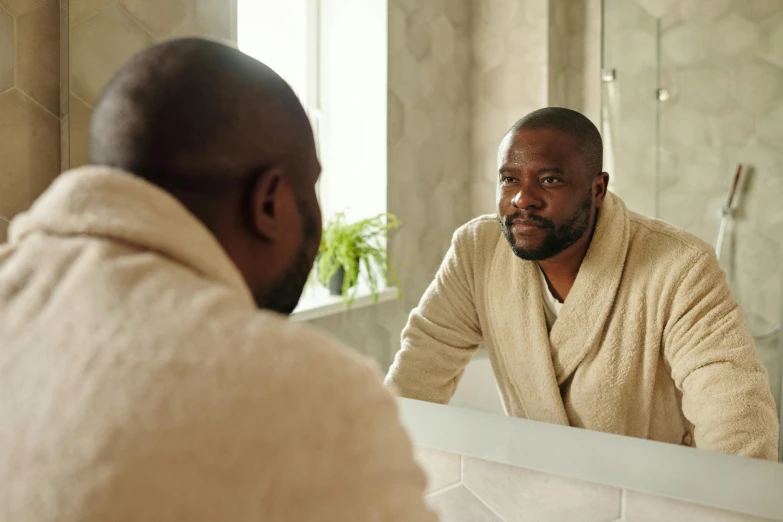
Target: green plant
<point>359,249</point>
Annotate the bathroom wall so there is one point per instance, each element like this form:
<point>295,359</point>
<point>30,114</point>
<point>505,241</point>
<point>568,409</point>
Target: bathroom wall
<point>722,62</point>
<point>464,489</point>
<point>527,55</point>
<point>105,33</point>
<point>429,174</point>
<point>29,102</point>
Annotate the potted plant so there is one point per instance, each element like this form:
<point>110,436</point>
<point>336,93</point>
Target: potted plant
<point>351,250</point>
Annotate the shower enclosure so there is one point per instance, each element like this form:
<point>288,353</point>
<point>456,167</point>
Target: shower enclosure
<point>692,90</point>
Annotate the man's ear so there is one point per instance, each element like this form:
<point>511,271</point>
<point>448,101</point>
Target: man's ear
<point>266,204</point>
<point>601,186</point>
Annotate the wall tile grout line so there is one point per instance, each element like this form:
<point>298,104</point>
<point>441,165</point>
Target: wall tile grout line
<point>444,489</point>
<point>50,113</point>
<point>484,502</point>
<point>80,99</point>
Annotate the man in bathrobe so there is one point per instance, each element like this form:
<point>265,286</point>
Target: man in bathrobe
<point>147,369</point>
<point>592,315</point>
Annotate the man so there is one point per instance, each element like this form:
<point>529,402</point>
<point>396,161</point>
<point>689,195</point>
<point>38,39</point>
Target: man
<point>139,379</point>
<point>596,317</point>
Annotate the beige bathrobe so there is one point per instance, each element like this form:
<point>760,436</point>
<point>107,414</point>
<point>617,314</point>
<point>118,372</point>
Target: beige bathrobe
<point>649,342</point>
<point>138,382</point>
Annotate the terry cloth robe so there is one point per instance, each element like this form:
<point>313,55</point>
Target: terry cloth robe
<point>139,382</point>
<point>649,342</point>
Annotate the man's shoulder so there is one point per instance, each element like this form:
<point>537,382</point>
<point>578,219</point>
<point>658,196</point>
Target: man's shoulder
<point>483,230</point>
<point>666,240</point>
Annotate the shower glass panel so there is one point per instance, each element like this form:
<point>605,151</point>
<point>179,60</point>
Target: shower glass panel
<point>688,96</point>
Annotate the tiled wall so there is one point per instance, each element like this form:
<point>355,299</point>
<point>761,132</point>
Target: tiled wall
<point>722,62</point>
<point>527,55</point>
<point>429,173</point>
<point>105,33</point>
<point>464,489</point>
<point>29,102</point>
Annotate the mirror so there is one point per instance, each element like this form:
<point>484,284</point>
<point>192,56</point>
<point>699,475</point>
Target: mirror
<point>683,93</point>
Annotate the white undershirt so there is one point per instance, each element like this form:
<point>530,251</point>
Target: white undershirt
<point>552,306</point>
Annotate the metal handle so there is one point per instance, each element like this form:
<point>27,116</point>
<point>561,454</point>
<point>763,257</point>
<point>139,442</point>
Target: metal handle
<point>608,75</point>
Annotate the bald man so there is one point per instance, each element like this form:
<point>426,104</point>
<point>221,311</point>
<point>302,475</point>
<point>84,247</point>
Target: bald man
<point>593,316</point>
<point>147,369</point>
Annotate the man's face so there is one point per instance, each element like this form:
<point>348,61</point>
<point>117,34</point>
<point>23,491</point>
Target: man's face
<point>544,195</point>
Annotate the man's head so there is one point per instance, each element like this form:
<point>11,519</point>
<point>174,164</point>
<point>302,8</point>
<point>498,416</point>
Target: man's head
<point>227,137</point>
<point>550,183</point>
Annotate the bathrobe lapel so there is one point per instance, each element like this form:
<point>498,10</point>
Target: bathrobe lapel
<point>535,361</point>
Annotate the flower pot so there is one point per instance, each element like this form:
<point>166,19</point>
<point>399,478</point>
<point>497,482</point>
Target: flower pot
<point>336,282</point>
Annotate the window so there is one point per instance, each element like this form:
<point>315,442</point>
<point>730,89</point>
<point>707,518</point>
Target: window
<point>333,53</point>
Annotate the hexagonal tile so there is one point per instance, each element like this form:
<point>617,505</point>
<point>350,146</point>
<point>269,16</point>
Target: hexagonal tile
<point>704,87</point>
<point>429,75</point>
<point>460,505</point>
<point>396,116</point>
<point>38,55</point>
<point>498,14</point>
<point>488,49</point>
<point>99,47</point>
<point>684,44</point>
<point>214,16</point>
<point>732,126</point>
<point>442,115</point>
<point>621,16</point>
<point>20,7</point>
<point>78,132</point>
<point>29,146</point>
<point>683,125</point>
<point>635,50</point>
<point>758,10</point>
<point>397,28</point>
<point>418,38</point>
<point>758,85</point>
<point>418,125</point>
<point>501,87</point>
<point>6,51</point>
<point>454,84</point>
<point>704,12</point>
<point>521,494</point>
<point>458,12</point>
<point>443,40</point>
<point>160,18</point>
<point>770,127</point>
<point>734,38</point>
<point>403,76</point>
<point>657,8</point>
<point>772,39</point>
<point>80,10</point>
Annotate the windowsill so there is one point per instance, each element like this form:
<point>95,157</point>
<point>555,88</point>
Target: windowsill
<point>316,302</point>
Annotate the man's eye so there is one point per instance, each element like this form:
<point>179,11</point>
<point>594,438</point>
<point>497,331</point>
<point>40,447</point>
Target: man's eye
<point>550,180</point>
<point>507,179</point>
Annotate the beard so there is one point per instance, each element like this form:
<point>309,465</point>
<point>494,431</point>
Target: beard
<point>557,237</point>
<point>284,295</point>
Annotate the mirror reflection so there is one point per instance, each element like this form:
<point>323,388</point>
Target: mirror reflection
<point>566,211</point>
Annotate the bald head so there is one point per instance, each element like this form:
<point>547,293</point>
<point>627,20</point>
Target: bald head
<point>198,112</point>
<point>228,138</point>
<point>572,123</point>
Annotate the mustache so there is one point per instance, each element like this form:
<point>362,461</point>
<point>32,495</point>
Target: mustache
<point>508,221</point>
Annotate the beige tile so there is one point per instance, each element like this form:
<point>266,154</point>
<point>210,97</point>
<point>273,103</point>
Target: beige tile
<point>30,148</point>
<point>758,85</point>
<point>442,469</point>
<point>20,7</point>
<point>65,143</point>
<point>215,17</point>
<point>99,47</point>
<point>79,133</point>
<point>460,505</point>
<point>704,12</point>
<point>520,494</point>
<point>6,51</point>
<point>80,10</point>
<point>705,88</point>
<point>645,508</point>
<point>161,19</point>
<point>757,10</point>
<point>38,55</point>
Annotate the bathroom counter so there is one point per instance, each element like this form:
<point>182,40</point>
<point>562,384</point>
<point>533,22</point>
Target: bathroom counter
<point>728,482</point>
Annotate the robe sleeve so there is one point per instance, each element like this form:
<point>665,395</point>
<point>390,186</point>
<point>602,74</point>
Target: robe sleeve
<point>443,332</point>
<point>725,388</point>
